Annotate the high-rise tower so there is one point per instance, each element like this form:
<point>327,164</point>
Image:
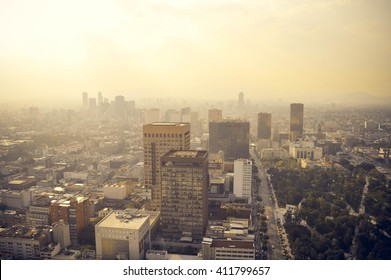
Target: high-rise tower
<point>296,121</point>
<point>184,183</point>
<point>85,100</point>
<point>264,126</point>
<point>159,138</point>
<point>230,136</point>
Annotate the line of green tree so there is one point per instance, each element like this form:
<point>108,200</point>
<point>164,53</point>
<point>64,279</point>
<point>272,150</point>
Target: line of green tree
<point>324,225</point>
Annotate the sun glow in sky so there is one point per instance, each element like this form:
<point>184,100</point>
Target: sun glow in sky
<point>195,49</point>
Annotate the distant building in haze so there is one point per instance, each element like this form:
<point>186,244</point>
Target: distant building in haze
<point>241,99</point>
<point>215,115</point>
<point>185,114</point>
<point>152,115</point>
<point>92,104</point>
<point>158,139</point>
<point>230,136</point>
<point>85,100</point>
<point>296,121</point>
<point>184,183</point>
<point>264,126</point>
<point>172,116</point>
<point>100,98</point>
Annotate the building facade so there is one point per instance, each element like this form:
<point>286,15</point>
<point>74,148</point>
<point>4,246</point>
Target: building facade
<point>296,121</point>
<point>122,235</point>
<point>264,126</point>
<point>25,242</point>
<point>242,178</point>
<point>230,136</point>
<point>75,211</point>
<point>215,115</point>
<point>215,249</point>
<point>158,139</point>
<point>305,150</point>
<point>184,211</point>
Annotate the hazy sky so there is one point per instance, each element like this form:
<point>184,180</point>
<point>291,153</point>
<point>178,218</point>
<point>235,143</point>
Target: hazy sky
<point>195,49</point>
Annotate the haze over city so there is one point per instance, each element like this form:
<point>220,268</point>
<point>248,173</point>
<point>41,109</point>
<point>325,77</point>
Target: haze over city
<point>318,51</point>
<point>196,130</point>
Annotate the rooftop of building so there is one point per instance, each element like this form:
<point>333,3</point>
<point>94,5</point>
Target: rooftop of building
<point>167,124</point>
<point>66,201</point>
<point>186,153</point>
<point>237,244</point>
<point>26,232</point>
<point>125,219</point>
<point>231,120</point>
<point>157,252</point>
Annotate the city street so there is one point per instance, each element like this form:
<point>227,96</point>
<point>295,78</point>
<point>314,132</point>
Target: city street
<point>275,251</point>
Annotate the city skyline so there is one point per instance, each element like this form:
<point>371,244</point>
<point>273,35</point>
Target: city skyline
<point>332,49</point>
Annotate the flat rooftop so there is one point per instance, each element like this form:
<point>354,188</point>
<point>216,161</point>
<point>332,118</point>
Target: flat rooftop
<point>186,153</point>
<point>123,219</point>
<point>167,124</point>
<point>26,232</point>
<point>232,244</point>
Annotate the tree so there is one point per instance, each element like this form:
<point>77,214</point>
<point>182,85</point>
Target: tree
<point>87,235</point>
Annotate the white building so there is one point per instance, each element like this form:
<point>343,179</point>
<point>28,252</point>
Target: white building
<point>61,234</point>
<point>242,178</point>
<point>305,149</point>
<point>214,249</point>
<point>116,191</point>
<point>122,234</point>
<point>17,199</point>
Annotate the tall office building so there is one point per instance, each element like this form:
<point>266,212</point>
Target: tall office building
<point>172,116</point>
<point>241,99</point>
<point>74,211</point>
<point>230,136</point>
<point>264,126</point>
<point>215,115</point>
<point>92,104</point>
<point>152,115</point>
<point>184,181</point>
<point>100,98</point>
<point>85,100</point>
<point>158,139</point>
<point>185,114</point>
<point>296,121</point>
<point>242,178</point>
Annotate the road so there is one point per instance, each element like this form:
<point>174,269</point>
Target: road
<point>271,213</point>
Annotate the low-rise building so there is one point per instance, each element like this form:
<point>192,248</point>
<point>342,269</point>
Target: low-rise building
<point>25,242</point>
<point>216,249</point>
<point>17,199</point>
<point>123,234</point>
<point>116,191</point>
<point>305,149</point>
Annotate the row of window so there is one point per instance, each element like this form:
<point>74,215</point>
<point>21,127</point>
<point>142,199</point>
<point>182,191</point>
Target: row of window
<point>163,135</point>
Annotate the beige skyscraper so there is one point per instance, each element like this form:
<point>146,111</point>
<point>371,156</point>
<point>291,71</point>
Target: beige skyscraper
<point>184,181</point>
<point>159,138</point>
